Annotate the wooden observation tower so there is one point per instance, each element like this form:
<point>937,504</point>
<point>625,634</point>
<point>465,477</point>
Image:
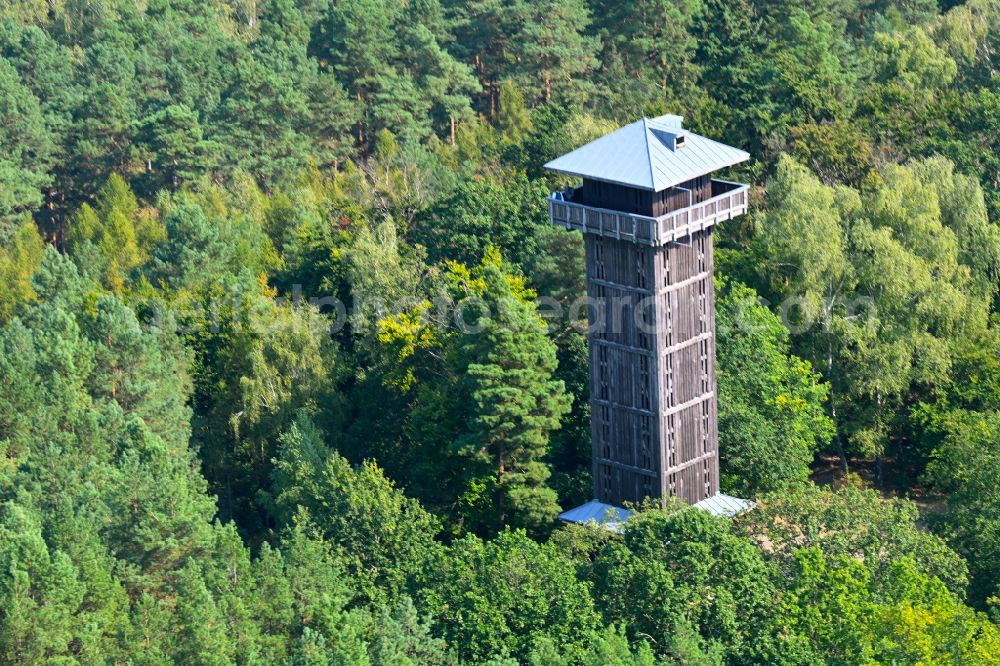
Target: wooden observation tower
<point>647,207</point>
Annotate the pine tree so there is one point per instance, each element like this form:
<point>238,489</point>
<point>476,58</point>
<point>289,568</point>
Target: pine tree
<point>178,152</point>
<point>393,62</point>
<point>200,635</point>
<point>302,597</point>
<point>156,495</point>
<point>516,403</point>
<point>552,50</point>
<point>41,598</point>
<point>513,118</point>
<point>402,638</point>
<point>653,39</point>
<point>386,537</point>
<point>25,150</point>
<point>145,371</point>
<point>105,111</point>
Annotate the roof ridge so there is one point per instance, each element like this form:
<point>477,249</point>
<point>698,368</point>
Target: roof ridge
<point>649,155</point>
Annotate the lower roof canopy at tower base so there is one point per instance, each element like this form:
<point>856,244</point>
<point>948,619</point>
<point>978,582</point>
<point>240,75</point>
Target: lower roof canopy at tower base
<point>614,518</point>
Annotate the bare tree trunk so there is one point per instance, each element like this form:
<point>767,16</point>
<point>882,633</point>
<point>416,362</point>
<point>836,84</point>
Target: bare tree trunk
<point>837,440</point>
<point>500,488</point>
<point>879,400</point>
<point>878,455</point>
<point>62,225</point>
<point>453,130</point>
<point>833,408</point>
<point>361,122</point>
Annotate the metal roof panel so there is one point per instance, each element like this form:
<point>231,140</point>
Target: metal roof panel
<point>606,515</point>
<point>724,505</point>
<point>639,155</point>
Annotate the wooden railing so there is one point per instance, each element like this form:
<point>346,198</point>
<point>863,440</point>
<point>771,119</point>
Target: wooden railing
<point>671,227</point>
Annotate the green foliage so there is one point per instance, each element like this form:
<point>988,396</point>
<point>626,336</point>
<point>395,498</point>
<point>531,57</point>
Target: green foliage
<point>731,51</point>
<point>609,646</point>
<point>655,44</point>
<point>384,276</point>
<point>542,48</point>
<point>393,61</point>
<point>516,403</point>
<point>966,464</point>
<point>302,596</point>
<point>513,118</point>
<point>924,623</point>
<point>880,283</point>
<point>102,455</point>
<point>485,462</point>
<point>772,419</point>
<point>483,213</point>
<point>210,243</point>
<point>20,257</point>
<point>683,579</point>
<point>200,464</point>
<point>828,604</point>
<point>551,50</point>
<point>404,639</point>
<point>522,593</point>
<point>26,147</point>
<point>115,233</point>
<point>837,152</point>
<point>258,364</point>
<point>280,101</point>
<point>386,537</point>
<point>157,496</point>
<point>831,610</point>
<point>854,522</point>
<point>179,152</point>
<point>41,596</point>
<point>812,75</point>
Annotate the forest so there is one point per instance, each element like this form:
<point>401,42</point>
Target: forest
<point>288,372</point>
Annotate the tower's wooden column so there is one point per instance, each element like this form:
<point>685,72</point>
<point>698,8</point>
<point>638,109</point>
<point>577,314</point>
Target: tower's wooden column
<point>652,369</point>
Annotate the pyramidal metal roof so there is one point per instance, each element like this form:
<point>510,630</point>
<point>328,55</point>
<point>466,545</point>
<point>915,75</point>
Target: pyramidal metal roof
<point>645,155</point>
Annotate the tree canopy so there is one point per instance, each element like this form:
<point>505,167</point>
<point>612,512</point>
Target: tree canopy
<point>294,369</point>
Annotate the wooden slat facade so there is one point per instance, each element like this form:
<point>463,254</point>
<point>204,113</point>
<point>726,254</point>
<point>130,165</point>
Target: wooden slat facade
<point>652,369</point>
<point>644,202</point>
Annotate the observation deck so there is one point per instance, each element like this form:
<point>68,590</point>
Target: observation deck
<point>569,209</point>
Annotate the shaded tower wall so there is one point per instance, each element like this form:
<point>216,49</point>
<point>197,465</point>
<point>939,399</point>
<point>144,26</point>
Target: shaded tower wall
<point>652,369</point>
<point>643,202</point>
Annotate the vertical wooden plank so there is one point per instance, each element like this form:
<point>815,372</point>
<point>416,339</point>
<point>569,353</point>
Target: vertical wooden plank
<point>636,381</point>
